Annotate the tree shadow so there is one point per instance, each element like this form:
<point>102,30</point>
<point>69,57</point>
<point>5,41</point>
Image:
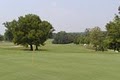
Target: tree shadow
<point>35,50</point>
<point>21,49</point>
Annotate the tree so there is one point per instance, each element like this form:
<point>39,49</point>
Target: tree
<point>9,29</point>
<point>113,31</point>
<point>31,30</point>
<point>81,39</point>
<point>77,40</point>
<point>45,29</point>
<point>87,36</point>
<point>62,38</point>
<point>96,38</point>
<point>1,37</point>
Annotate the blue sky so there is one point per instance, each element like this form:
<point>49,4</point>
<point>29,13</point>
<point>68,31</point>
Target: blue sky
<point>64,15</point>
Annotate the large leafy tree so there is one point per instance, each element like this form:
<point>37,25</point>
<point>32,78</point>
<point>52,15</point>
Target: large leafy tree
<point>96,38</point>
<point>113,31</point>
<point>31,30</point>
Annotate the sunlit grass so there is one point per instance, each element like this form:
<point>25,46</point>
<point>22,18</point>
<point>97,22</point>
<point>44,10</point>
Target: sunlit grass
<point>57,62</point>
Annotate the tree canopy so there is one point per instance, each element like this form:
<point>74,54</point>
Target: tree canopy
<point>29,30</point>
<point>63,38</point>
<point>96,38</point>
<point>113,31</point>
<point>9,30</point>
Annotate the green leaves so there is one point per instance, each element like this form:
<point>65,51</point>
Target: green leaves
<point>95,35</point>
<point>29,29</point>
<point>113,28</point>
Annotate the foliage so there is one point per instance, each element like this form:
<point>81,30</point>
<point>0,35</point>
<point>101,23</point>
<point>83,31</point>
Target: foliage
<point>1,37</point>
<point>62,38</point>
<point>96,38</point>
<point>77,40</point>
<point>9,30</point>
<point>83,38</point>
<point>113,31</point>
<point>29,30</point>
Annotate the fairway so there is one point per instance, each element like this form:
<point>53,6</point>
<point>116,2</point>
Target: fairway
<point>57,62</point>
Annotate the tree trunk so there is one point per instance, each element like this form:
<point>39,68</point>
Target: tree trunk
<point>31,47</point>
<point>36,47</point>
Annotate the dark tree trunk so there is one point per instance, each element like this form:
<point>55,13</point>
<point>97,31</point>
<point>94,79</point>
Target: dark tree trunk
<point>36,47</point>
<point>31,47</point>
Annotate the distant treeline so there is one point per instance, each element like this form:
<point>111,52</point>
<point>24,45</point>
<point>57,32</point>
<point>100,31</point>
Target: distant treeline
<point>31,30</point>
<point>94,37</point>
<point>63,37</point>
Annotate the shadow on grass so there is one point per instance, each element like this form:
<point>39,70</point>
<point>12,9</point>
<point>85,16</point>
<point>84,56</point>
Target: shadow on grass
<point>21,49</point>
<point>35,50</point>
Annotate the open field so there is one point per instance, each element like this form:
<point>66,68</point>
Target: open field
<point>57,62</point>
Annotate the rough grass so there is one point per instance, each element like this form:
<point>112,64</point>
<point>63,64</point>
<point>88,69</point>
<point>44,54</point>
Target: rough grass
<point>57,62</point>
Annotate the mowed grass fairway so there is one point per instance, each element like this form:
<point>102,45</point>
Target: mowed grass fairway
<point>57,62</point>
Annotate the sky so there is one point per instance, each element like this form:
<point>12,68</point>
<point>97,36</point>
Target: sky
<point>64,15</point>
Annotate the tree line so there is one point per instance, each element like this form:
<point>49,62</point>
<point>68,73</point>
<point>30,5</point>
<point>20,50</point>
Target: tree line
<point>30,30</point>
<point>93,36</point>
<point>100,40</point>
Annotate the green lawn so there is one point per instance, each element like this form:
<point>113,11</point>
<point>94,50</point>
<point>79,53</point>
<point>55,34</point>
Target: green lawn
<point>57,62</point>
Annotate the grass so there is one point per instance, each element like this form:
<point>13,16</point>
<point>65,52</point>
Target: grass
<point>57,62</point>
